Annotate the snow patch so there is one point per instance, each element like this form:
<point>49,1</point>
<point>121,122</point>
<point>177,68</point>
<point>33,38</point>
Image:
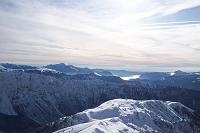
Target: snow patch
<point>97,74</point>
<point>172,74</point>
<point>47,70</point>
<point>178,105</point>
<point>74,68</point>
<point>131,77</point>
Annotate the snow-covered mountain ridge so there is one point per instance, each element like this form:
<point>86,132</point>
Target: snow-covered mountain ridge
<point>132,116</point>
<point>43,95</point>
<point>54,68</point>
<point>189,80</point>
<point>43,99</point>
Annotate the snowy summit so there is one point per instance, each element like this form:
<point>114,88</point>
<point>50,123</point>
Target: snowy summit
<point>131,116</point>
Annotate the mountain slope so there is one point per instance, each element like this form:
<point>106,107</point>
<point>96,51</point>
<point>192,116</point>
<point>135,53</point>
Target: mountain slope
<point>43,96</point>
<point>15,66</point>
<point>178,79</point>
<point>72,70</point>
<point>131,116</point>
<point>69,69</point>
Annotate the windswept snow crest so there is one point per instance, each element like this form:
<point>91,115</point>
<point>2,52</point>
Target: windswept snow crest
<point>134,116</point>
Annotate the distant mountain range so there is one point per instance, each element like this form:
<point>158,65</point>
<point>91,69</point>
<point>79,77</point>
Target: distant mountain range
<point>61,67</point>
<point>178,78</point>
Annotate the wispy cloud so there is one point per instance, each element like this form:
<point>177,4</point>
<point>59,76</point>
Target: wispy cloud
<point>99,33</point>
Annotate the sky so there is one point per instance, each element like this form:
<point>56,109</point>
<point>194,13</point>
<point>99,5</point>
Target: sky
<point>138,35</point>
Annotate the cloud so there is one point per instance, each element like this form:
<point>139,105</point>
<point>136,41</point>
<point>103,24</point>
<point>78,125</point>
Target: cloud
<point>98,33</point>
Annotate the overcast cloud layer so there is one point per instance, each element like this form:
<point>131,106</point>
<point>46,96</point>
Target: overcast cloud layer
<point>145,35</point>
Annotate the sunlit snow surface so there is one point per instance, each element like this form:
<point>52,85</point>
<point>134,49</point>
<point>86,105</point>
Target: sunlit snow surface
<point>172,74</point>
<point>132,116</point>
<point>97,74</point>
<point>131,77</point>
